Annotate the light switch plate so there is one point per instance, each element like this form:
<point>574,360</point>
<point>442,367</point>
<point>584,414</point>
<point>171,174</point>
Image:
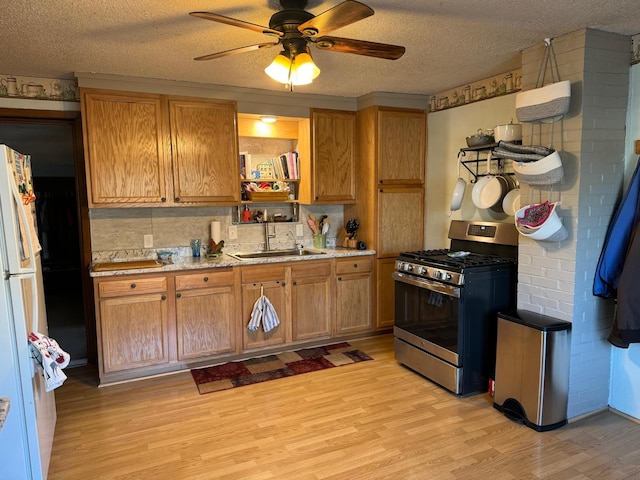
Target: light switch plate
<point>299,230</point>
<point>233,232</point>
<point>148,241</point>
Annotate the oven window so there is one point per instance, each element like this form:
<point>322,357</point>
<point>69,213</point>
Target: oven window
<point>430,315</point>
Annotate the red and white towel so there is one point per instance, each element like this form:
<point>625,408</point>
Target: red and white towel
<point>48,355</point>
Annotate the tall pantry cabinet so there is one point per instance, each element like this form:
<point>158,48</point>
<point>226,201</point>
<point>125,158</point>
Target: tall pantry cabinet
<point>390,185</point>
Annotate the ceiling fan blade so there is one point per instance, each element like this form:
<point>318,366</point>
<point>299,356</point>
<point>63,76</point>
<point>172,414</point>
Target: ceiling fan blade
<point>236,23</point>
<point>360,47</point>
<point>341,15</point>
<point>233,51</point>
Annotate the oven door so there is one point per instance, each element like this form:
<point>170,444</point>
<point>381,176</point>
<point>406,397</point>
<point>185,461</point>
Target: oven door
<point>427,316</point>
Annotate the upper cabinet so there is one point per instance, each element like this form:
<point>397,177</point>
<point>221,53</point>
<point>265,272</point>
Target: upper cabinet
<point>333,157</point>
<point>401,146</point>
<point>204,147</point>
<point>154,150</point>
<point>124,148</point>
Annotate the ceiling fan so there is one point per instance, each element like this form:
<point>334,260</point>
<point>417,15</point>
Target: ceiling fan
<point>295,28</point>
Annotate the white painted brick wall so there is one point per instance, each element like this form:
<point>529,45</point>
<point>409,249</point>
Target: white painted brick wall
<point>556,279</point>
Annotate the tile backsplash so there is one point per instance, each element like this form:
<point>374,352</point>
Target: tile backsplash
<point>119,233</point>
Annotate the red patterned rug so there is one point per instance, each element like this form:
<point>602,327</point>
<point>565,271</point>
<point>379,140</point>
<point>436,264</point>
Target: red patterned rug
<point>256,370</point>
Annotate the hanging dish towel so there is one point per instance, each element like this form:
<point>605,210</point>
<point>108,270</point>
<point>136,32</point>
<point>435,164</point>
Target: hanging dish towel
<point>50,357</point>
<point>263,312</point>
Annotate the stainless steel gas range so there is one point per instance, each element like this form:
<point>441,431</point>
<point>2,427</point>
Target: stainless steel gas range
<point>446,303</point>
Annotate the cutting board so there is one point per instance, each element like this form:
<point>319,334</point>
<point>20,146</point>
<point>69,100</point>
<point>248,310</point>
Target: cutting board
<point>134,264</point>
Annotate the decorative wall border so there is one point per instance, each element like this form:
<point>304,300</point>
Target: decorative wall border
<point>38,88</point>
<point>503,84</point>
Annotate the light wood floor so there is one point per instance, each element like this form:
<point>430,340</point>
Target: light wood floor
<point>371,420</point>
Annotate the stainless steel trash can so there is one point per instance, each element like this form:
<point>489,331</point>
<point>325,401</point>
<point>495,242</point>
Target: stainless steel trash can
<point>532,369</point>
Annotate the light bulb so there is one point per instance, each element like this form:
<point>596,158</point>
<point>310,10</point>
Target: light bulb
<point>279,69</point>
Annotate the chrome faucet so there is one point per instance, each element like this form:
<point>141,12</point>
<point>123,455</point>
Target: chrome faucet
<point>296,245</point>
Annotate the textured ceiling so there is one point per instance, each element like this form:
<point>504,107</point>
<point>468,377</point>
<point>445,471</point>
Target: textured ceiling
<point>449,43</point>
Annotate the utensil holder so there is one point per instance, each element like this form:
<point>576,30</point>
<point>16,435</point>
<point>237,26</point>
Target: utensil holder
<point>320,240</point>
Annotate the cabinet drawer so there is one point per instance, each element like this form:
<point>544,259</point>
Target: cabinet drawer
<point>262,274</point>
<point>311,269</point>
<point>132,286</point>
<point>354,265</point>
<point>204,279</point>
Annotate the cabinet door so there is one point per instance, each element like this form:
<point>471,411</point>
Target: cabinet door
<point>354,295</point>
<point>386,293</point>
<point>204,151</point>
<point>205,322</point>
<point>333,137</point>
<point>400,220</point>
<point>275,292</point>
<point>310,307</point>
<point>126,161</point>
<point>401,146</point>
<point>134,331</point>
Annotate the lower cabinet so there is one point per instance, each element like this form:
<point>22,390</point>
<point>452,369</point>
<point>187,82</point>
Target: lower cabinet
<point>386,293</point>
<point>149,324</point>
<point>354,293</point>
<point>205,319</point>
<point>269,281</point>
<point>133,326</point>
<point>311,300</point>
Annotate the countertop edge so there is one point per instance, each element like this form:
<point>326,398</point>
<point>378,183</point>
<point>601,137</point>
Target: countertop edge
<point>191,263</point>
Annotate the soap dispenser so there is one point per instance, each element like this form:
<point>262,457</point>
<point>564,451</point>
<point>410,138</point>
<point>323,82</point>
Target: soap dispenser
<point>246,215</point>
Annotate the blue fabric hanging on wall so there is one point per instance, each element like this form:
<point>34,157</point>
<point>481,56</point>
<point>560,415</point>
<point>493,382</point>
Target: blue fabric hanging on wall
<point>616,243</point>
<point>619,257</point>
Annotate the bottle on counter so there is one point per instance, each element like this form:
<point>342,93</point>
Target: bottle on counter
<point>246,215</point>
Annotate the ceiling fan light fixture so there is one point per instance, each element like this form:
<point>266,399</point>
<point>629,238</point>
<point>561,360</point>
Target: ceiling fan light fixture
<point>268,118</point>
<point>280,68</point>
<point>304,70</point>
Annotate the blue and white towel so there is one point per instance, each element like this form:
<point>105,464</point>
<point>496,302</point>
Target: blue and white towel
<point>263,312</point>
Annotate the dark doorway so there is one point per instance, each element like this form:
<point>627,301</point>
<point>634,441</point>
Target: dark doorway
<point>55,148</point>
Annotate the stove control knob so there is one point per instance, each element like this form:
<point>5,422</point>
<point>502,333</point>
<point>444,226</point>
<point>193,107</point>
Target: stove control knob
<point>446,276</point>
<point>408,267</point>
<point>422,270</point>
<point>437,274</point>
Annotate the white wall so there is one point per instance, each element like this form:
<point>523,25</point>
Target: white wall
<point>447,132</point>
<point>625,363</point>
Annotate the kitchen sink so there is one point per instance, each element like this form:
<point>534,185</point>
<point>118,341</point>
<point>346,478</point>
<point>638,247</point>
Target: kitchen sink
<point>274,254</point>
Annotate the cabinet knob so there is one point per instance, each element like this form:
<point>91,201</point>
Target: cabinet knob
<point>177,199</point>
<point>381,181</point>
<point>355,265</point>
<point>317,197</point>
<point>381,191</point>
<point>163,199</point>
<point>339,279</point>
<point>206,279</point>
<point>284,284</point>
<point>295,283</point>
<point>178,295</point>
<point>163,297</point>
<point>133,285</point>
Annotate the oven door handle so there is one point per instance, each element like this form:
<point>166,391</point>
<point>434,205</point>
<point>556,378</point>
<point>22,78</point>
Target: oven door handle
<point>445,289</point>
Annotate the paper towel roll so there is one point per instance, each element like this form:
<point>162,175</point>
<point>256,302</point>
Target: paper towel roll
<point>215,231</point>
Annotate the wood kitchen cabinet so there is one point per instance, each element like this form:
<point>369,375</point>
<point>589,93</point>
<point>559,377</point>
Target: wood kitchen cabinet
<point>156,150</point>
<point>385,303</point>
<point>271,281</point>
<point>354,294</point>
<point>311,300</point>
<point>390,184</point>
<point>133,327</point>
<point>125,148</point>
<point>205,313</point>
<point>301,295</point>
<point>330,173</point>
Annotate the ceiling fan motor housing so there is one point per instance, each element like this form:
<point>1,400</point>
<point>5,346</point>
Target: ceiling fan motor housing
<point>287,21</point>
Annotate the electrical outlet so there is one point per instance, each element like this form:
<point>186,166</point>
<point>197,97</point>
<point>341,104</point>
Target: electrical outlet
<point>299,230</point>
<point>148,241</point>
<point>233,232</point>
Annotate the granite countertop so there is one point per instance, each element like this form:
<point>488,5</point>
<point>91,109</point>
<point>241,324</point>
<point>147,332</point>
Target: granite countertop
<point>197,263</point>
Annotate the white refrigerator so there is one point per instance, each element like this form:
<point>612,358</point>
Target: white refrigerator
<point>26,435</point>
